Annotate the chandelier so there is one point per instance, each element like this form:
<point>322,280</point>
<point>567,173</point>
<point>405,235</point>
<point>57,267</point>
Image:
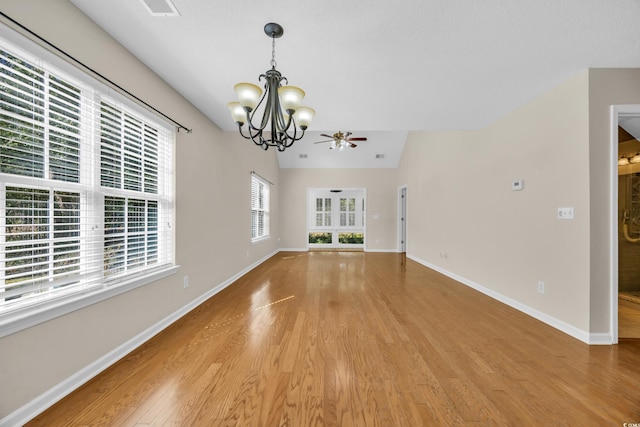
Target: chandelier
<point>282,113</point>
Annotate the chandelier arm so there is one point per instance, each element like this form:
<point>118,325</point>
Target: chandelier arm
<point>253,112</point>
<point>242,132</point>
<point>293,138</point>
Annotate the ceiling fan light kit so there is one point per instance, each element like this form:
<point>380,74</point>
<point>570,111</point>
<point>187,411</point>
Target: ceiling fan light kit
<point>282,113</point>
<point>340,140</point>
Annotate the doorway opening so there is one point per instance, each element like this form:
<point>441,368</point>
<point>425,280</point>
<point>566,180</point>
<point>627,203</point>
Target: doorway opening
<point>626,225</point>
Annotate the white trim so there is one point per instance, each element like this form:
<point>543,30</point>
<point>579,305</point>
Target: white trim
<point>400,220</point>
<point>256,182</point>
<point>38,405</point>
<point>294,249</point>
<point>568,329</point>
<point>601,339</point>
<point>393,251</point>
<point>613,225</point>
<point>260,240</point>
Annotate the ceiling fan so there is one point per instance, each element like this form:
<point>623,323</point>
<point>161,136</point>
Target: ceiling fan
<point>340,140</point>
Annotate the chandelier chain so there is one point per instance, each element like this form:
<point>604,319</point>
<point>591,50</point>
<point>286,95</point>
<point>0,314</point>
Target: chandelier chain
<point>273,52</point>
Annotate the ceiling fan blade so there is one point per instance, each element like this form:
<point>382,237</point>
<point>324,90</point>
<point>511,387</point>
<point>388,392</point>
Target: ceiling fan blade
<point>328,136</point>
<point>320,142</point>
<point>352,144</point>
<point>357,139</point>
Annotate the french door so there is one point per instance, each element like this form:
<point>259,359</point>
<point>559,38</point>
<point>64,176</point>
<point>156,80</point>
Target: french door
<point>336,218</point>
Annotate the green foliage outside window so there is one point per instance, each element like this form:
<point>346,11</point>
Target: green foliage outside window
<point>351,238</point>
<point>320,238</point>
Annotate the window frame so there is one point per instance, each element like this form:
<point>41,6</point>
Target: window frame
<point>260,208</point>
<point>22,315</point>
<point>332,236</point>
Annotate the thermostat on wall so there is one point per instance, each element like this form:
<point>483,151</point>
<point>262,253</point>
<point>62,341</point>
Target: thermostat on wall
<point>517,185</point>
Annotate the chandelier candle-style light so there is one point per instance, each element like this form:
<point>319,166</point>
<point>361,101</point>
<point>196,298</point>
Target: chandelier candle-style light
<point>282,113</point>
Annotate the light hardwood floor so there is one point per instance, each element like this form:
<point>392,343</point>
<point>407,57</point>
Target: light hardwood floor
<point>628,319</point>
<point>358,339</point>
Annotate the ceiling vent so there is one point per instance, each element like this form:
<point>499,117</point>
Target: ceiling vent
<point>160,7</point>
<point>302,156</point>
<point>379,156</point>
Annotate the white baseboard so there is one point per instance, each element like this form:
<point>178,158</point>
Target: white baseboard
<point>584,336</point>
<point>394,250</point>
<point>600,339</point>
<point>38,405</point>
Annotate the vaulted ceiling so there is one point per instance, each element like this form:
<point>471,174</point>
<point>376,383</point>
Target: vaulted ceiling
<point>378,68</point>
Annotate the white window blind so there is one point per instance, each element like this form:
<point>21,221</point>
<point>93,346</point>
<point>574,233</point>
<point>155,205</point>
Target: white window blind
<point>347,212</point>
<point>86,197</point>
<point>323,212</point>
<point>259,208</point>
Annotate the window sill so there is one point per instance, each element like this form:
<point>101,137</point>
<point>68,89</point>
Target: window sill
<point>260,239</point>
<point>32,316</point>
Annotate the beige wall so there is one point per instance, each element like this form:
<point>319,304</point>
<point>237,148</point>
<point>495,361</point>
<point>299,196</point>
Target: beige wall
<point>382,193</point>
<point>212,188</point>
<point>460,203</point>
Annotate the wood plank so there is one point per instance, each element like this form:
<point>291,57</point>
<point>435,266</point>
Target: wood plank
<point>353,339</point>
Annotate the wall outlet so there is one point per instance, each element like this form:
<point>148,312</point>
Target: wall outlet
<point>517,185</point>
<point>185,282</point>
<point>541,286</point>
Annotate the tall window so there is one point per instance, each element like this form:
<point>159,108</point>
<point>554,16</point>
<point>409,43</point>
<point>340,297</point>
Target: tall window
<point>259,208</point>
<point>347,212</point>
<point>86,197</point>
<point>336,217</point>
<point>323,212</point>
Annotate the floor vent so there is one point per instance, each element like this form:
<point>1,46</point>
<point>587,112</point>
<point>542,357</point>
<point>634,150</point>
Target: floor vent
<point>160,7</point>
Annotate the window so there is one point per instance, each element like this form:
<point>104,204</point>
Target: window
<point>86,197</point>
<point>336,218</point>
<point>347,212</point>
<point>323,212</point>
<point>259,208</point>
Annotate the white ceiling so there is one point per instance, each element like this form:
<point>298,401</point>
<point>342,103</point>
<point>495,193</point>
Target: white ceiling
<point>377,68</point>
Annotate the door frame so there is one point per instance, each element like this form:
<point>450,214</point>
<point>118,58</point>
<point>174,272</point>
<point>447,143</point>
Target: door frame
<point>402,219</point>
<point>616,111</point>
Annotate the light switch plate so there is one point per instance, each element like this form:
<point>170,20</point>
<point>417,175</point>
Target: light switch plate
<point>565,213</point>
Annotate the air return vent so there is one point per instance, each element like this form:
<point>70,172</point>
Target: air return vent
<point>160,7</point>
